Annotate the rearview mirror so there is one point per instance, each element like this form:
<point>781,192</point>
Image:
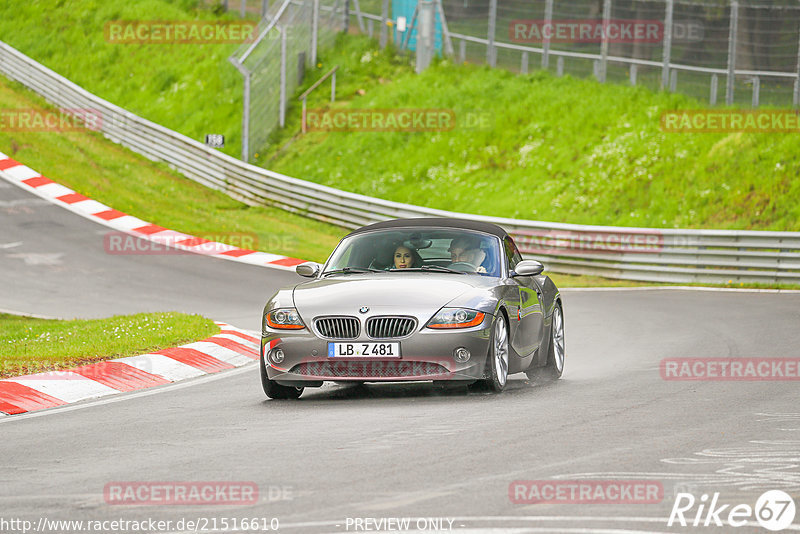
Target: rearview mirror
<point>308,269</point>
<point>528,268</point>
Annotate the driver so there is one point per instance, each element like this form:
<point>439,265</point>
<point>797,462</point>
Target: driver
<point>467,249</point>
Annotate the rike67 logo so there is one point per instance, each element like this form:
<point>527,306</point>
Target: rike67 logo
<point>774,510</point>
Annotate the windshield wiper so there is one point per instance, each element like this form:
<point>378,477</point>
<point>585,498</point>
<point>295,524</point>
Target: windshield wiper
<point>351,270</point>
<point>437,268</point>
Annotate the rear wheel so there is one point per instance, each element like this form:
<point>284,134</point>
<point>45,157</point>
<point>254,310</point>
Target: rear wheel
<point>556,354</point>
<point>275,390</point>
<point>497,359</point>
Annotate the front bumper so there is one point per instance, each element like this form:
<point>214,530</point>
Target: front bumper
<point>426,355</point>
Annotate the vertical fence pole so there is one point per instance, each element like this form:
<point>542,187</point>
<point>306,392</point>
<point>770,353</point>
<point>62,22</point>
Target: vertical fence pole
<point>633,74</point>
<point>667,51</point>
<point>796,94</point>
<point>333,87</point>
<point>548,19</point>
<point>448,42</point>
<point>264,8</point>
<point>601,75</point>
<point>384,39</point>
<point>673,80</point>
<point>303,127</point>
<point>314,32</point>
<point>246,119</point>
<point>524,66</point>
<point>346,16</point>
<point>282,103</point>
<point>756,90</point>
<point>425,34</point>
<point>490,54</point>
<point>732,52</point>
<point>243,8</point>
<point>712,100</point>
<point>462,51</point>
<point>560,66</point>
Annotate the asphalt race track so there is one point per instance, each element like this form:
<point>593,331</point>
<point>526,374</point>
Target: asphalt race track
<point>347,453</point>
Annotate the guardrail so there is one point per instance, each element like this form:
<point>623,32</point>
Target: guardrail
<point>649,254</point>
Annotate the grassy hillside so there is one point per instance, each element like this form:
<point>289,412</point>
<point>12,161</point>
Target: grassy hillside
<point>556,149</point>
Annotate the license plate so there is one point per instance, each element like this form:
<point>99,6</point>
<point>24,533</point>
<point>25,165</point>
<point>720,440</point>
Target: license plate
<point>364,350</point>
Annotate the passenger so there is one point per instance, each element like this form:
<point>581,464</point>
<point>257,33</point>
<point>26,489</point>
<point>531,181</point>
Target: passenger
<point>405,258</point>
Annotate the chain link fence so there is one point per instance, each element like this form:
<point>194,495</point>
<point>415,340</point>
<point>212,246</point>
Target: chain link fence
<point>289,36</point>
<point>745,54</point>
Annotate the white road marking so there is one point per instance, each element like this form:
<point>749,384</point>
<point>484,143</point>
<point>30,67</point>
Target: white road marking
<point>678,288</point>
<point>66,386</point>
<point>221,353</point>
<point>10,245</point>
<point>34,258</point>
<point>163,366</point>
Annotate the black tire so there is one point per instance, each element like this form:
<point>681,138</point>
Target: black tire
<point>556,355</point>
<point>274,390</point>
<point>497,358</point>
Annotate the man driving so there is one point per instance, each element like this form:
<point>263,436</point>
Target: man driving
<point>467,249</point>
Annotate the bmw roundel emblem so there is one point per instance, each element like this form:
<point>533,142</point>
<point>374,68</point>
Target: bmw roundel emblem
<point>363,309</point>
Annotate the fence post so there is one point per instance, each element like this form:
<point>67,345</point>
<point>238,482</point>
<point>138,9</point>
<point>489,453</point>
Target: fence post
<point>667,51</point>
<point>246,119</point>
<point>524,65</point>
<point>462,51</point>
<point>756,90</point>
<point>243,8</point>
<point>633,74</point>
<point>264,8</point>
<point>314,31</point>
<point>490,55</point>
<point>796,95</point>
<point>560,66</point>
<point>425,34</point>
<point>448,41</point>
<point>673,80</point>
<point>712,100</point>
<point>604,43</point>
<point>346,16</point>
<point>282,103</point>
<point>548,19</point>
<point>384,39</point>
<point>734,25</point>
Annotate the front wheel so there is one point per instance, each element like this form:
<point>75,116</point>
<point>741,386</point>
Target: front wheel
<point>275,390</point>
<point>556,354</point>
<point>497,359</point>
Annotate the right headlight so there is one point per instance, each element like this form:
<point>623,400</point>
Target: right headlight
<point>284,319</point>
<point>456,318</point>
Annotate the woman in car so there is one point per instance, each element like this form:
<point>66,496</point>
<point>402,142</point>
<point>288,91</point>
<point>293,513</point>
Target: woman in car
<point>405,258</point>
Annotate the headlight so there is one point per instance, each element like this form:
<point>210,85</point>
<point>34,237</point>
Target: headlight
<point>456,318</point>
<point>284,319</point>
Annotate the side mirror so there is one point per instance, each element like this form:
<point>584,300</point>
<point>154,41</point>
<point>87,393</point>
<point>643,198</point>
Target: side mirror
<point>308,269</point>
<point>528,268</point>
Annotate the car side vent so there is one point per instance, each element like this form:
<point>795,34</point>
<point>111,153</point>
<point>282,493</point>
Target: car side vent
<point>338,327</point>
<point>390,327</point>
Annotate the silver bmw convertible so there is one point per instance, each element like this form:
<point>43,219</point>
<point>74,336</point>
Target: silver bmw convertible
<point>443,300</point>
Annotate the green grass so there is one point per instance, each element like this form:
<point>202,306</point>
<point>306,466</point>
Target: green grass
<point>557,149</point>
<point>29,345</point>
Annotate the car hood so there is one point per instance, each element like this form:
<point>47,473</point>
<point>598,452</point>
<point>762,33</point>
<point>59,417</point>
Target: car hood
<point>415,294</point>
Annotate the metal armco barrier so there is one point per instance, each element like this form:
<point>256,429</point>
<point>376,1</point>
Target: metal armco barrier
<point>648,254</point>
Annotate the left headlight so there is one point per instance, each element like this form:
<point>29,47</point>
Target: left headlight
<point>456,318</point>
<point>284,319</point>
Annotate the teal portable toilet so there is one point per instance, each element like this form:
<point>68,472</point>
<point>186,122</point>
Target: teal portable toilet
<point>405,8</point>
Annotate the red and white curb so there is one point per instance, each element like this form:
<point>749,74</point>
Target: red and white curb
<point>32,181</point>
<point>231,348</point>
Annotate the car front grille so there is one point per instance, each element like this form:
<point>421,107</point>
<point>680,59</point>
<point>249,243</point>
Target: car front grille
<point>369,369</point>
<point>390,327</point>
<point>338,327</point>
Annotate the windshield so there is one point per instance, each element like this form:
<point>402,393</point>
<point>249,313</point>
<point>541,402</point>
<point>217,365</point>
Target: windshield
<point>418,249</point>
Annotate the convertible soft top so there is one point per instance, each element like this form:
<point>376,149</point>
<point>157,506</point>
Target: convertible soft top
<point>435,222</point>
